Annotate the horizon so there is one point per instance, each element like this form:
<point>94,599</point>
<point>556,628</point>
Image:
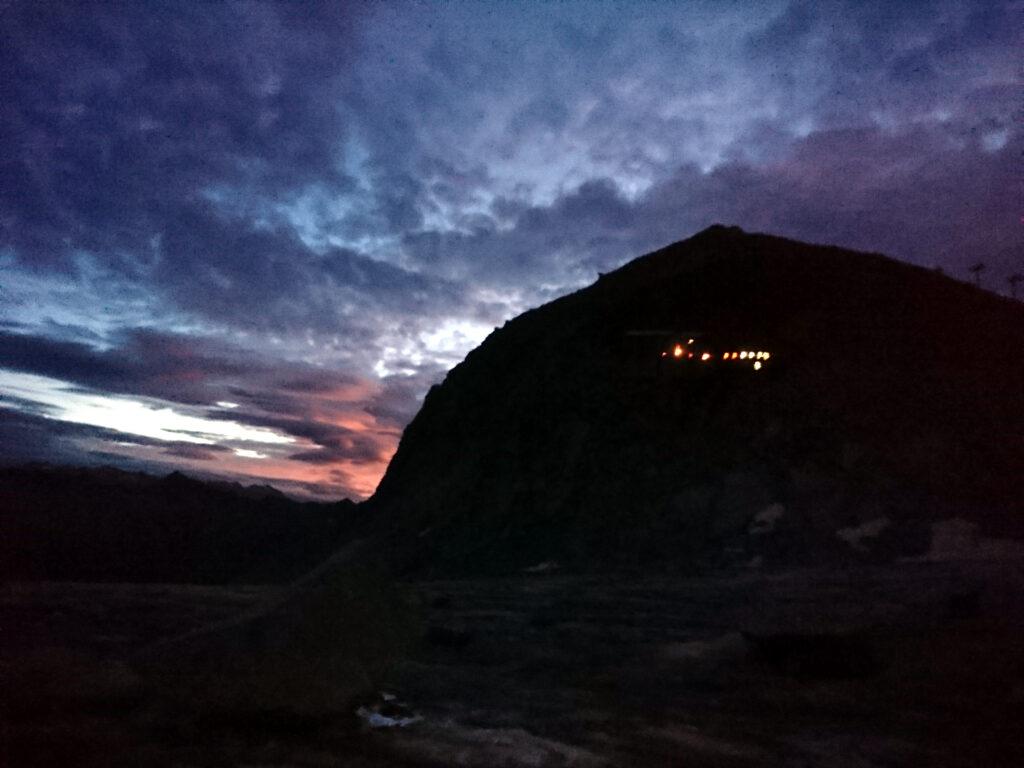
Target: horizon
<point>242,244</point>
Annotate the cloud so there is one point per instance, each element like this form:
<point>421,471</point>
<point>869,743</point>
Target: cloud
<point>174,384</point>
<point>314,210</point>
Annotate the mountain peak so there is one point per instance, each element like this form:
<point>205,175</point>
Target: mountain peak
<point>638,421</point>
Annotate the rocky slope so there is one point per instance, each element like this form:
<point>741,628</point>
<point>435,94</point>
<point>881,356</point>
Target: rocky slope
<point>891,403</point>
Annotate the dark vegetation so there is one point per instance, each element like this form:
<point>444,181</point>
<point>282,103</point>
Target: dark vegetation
<point>108,525</point>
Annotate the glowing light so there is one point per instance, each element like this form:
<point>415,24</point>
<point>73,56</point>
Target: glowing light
<point>765,355</point>
<point>677,351</point>
<point>743,355</point>
<point>757,365</point>
<point>705,357</point>
<point>734,355</point>
<point>689,341</point>
<point>725,355</point>
<point>664,354</point>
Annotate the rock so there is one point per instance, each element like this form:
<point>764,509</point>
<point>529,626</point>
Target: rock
<point>454,636</point>
<point>814,656</point>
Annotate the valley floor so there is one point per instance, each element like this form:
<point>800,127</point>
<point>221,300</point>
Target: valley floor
<point>914,664</point>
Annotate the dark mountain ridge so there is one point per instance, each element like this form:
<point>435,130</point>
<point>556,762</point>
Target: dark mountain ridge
<point>108,525</point>
<point>893,401</point>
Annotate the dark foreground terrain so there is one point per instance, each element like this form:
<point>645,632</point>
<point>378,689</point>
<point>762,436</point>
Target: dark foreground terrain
<point>908,664</point>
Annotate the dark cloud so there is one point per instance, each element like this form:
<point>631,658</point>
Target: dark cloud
<point>926,195</point>
<point>181,368</point>
<point>355,449</point>
<point>117,113</point>
<point>194,452</point>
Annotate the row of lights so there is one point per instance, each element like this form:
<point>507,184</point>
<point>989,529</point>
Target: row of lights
<point>679,351</point>
<point>745,355</point>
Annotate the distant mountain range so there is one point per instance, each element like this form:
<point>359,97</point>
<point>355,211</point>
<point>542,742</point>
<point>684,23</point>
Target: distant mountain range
<point>105,524</point>
<point>886,421</point>
<point>730,401</point>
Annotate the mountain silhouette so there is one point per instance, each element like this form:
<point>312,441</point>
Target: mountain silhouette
<point>108,525</point>
<point>578,435</point>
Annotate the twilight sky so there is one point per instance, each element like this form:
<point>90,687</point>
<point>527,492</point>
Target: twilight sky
<point>242,239</point>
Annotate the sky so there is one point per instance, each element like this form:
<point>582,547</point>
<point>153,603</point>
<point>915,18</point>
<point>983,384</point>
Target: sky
<point>243,239</point>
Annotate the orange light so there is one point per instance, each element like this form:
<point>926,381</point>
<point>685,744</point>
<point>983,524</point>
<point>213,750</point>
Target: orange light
<point>677,351</point>
<point>725,355</point>
<point>734,355</point>
<point>705,357</point>
<point>690,355</point>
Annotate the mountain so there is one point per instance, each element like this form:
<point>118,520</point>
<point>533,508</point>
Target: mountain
<point>105,524</point>
<point>886,421</point>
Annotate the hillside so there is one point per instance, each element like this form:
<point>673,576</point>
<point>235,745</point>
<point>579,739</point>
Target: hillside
<point>891,403</point>
<point>107,525</point>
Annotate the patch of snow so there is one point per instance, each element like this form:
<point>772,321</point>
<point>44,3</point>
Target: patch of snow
<point>545,567</point>
<point>958,539</point>
<point>765,520</point>
<point>728,646</point>
<point>452,744</point>
<point>377,720</point>
<point>689,737</point>
<point>855,535</point>
<point>387,712</point>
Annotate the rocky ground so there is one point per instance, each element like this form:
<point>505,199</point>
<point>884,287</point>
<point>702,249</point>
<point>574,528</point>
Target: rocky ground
<point>913,664</point>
